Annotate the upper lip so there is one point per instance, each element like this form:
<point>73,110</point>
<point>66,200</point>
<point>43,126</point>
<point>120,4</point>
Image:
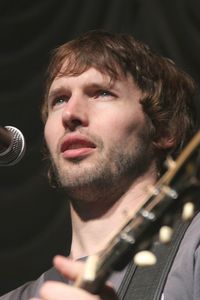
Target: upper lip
<point>76,141</point>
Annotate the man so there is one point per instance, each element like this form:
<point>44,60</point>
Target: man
<point>113,110</point>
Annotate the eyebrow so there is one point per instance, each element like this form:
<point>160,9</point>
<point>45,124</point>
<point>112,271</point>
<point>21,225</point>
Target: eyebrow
<point>102,85</point>
<point>56,91</point>
<point>91,85</point>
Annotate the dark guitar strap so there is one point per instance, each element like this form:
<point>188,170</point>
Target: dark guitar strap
<point>148,283</point>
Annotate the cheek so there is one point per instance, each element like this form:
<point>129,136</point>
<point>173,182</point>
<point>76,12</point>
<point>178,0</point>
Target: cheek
<point>121,128</point>
<point>51,135</point>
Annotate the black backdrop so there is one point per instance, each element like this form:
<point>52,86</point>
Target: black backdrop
<point>34,223</point>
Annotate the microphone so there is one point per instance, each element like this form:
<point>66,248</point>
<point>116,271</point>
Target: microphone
<point>12,146</point>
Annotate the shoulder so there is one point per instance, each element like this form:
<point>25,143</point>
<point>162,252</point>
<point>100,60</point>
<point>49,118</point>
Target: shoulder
<point>184,277</point>
<point>31,289</point>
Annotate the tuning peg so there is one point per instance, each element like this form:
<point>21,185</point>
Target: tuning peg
<point>152,190</point>
<point>90,268</point>
<point>145,258</point>
<point>170,163</point>
<point>169,191</point>
<point>188,211</point>
<point>165,234</point>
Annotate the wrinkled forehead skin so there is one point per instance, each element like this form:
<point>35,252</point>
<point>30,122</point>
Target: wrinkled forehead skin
<point>71,66</point>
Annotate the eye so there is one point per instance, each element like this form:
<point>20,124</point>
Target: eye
<point>58,100</point>
<point>103,93</point>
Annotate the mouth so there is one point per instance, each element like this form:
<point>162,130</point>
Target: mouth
<point>76,147</point>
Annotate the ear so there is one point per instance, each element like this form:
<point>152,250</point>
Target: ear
<point>164,142</point>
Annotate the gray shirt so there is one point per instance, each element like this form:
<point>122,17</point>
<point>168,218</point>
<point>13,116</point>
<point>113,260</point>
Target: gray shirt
<point>183,282</point>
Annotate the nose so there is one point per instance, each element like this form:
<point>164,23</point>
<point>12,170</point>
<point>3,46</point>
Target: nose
<point>75,113</point>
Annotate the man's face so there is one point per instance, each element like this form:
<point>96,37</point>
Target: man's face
<point>96,131</point>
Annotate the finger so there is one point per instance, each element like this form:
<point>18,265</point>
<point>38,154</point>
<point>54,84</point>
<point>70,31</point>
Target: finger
<point>69,268</point>
<point>72,270</point>
<point>59,291</point>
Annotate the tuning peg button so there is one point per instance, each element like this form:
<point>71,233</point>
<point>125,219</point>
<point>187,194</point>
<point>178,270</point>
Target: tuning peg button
<point>165,234</point>
<point>188,211</point>
<point>145,258</point>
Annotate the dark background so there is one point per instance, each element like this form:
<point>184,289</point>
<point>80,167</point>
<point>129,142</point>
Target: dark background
<point>34,224</point>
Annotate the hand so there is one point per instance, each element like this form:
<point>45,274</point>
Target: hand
<point>52,290</point>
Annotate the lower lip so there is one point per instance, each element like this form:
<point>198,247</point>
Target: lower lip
<point>76,153</point>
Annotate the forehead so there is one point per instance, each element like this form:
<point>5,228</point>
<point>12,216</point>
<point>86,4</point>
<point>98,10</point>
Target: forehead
<point>74,65</point>
<point>92,80</point>
<point>89,76</point>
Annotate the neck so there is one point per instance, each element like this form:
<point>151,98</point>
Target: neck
<point>91,235</point>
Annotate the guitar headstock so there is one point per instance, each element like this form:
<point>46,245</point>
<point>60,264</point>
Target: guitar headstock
<point>174,196</point>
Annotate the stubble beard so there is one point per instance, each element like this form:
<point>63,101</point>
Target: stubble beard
<point>107,177</point>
